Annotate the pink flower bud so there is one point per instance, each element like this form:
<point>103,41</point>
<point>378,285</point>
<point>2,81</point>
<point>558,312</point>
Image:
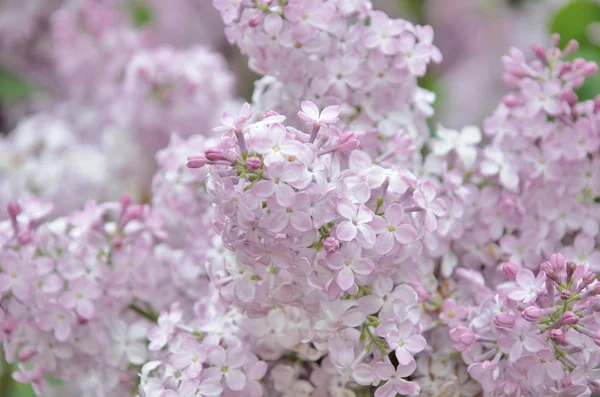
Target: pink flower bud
<point>197,161</point>
<point>26,354</point>
<point>331,245</point>
<point>253,163</point>
<point>512,101</point>
<point>558,336</point>
<point>510,270</point>
<point>547,268</point>
<point>270,113</point>
<point>9,324</point>
<point>540,53</point>
<point>565,294</point>
<point>420,290</point>
<point>532,314</point>
<point>348,141</point>
<point>571,47</point>
<point>571,267</point>
<point>24,237</point>
<point>214,154</point>
<point>569,96</point>
<point>255,20</point>
<point>590,69</point>
<point>569,318</point>
<point>504,320</point>
<point>463,337</point>
<point>134,212</point>
<point>13,208</point>
<point>125,201</point>
<point>555,39</point>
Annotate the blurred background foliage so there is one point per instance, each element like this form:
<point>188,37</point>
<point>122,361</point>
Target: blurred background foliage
<point>572,19</point>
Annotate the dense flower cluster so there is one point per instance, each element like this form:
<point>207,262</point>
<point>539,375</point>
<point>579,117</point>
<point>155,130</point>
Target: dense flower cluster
<point>320,241</point>
<point>117,98</point>
<point>534,335</point>
<point>338,52</point>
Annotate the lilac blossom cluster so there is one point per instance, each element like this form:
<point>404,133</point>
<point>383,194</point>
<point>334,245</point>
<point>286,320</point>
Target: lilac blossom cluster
<point>120,93</point>
<point>320,241</point>
<point>339,53</point>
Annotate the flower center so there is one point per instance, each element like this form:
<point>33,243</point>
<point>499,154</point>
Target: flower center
<point>289,209</point>
<point>400,342</point>
<point>224,368</point>
<point>13,274</point>
<point>391,228</point>
<point>276,149</point>
<point>195,358</point>
<point>451,314</point>
<point>347,262</point>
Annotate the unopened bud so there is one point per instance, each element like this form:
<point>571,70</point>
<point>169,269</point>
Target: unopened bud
<point>504,320</point>
<point>9,324</point>
<point>565,294</point>
<point>571,267</point>
<point>214,154</point>
<point>510,270</point>
<point>571,47</point>
<point>588,278</point>
<point>197,161</point>
<point>558,336</point>
<point>26,354</point>
<point>24,237</point>
<point>512,101</point>
<point>569,318</point>
<point>420,290</point>
<point>331,245</point>
<point>532,314</point>
<point>253,163</point>
<point>540,53</point>
<point>569,96</point>
<point>255,20</point>
<point>13,208</point>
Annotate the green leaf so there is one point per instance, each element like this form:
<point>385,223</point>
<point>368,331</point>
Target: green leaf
<point>572,20</point>
<point>141,13</point>
<point>11,86</point>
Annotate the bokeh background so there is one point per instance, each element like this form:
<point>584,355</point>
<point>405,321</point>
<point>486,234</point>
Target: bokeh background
<point>472,35</point>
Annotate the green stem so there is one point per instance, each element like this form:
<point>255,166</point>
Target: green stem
<point>150,316</point>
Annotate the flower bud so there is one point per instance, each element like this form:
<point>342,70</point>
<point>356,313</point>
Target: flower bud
<point>9,324</point>
<point>504,320</point>
<point>511,101</point>
<point>571,47</point>
<point>214,154</point>
<point>420,290</point>
<point>532,314</point>
<point>462,335</point>
<point>348,141</point>
<point>255,20</point>
<point>510,270</point>
<point>253,163</point>
<point>331,245</point>
<point>547,268</point>
<point>13,208</point>
<point>569,96</point>
<point>125,201</point>
<point>558,336</point>
<point>270,113</point>
<point>569,318</point>
<point>24,237</point>
<point>540,53</point>
<point>197,161</point>
<point>571,267</point>
<point>565,294</point>
<point>588,278</point>
<point>26,354</point>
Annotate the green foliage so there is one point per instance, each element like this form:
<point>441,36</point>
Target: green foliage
<point>11,86</point>
<point>573,19</point>
<point>141,13</point>
<point>572,22</point>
